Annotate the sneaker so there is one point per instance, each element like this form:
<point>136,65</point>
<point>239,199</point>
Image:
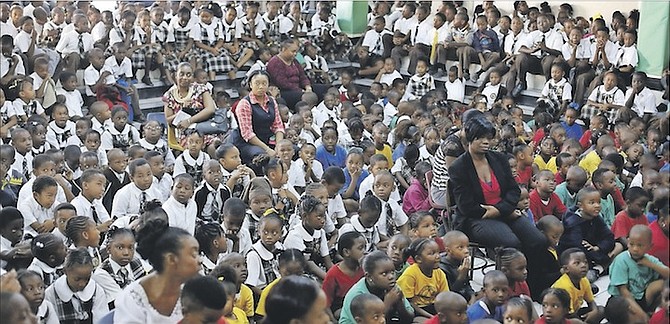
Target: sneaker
<point>517,89</point>
<point>147,80</point>
<point>592,275</point>
<point>474,77</point>
<point>466,74</point>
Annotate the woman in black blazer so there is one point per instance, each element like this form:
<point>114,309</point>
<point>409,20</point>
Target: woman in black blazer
<point>492,219</point>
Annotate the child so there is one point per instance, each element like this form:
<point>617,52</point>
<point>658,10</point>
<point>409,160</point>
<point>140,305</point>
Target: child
<point>496,290</point>
<point>264,55</point>
<point>524,159</point>
<point>118,132</point>
<point>659,235</point>
<point>662,315</point>
<point>606,99</point>
<point>73,100</point>
<point>37,127</point>
<point>180,207</point>
<point>330,153</point>
<point>574,267</point>
<point>231,312</point>
<point>639,98</point>
<point>95,76</point>
<point>306,169</point>
<point>191,161</point>
<point>603,181</point>
<point>82,232</point>
<point>546,159</point>
<point>518,310</point>
<point>423,276</point>
<point>262,259</point>
<point>11,233</point>
<point>291,263</point>
<point>354,174</point>
<point>100,113</point>
<point>315,66</point>
<point>493,90</point>
<point>421,82</point>
<point>7,116</point>
<point>212,194</point>
<point>546,269</point>
<point>513,264</point>
<point>543,199</point>
<point>25,104</point>
<point>636,202</point>
<point>368,308</point>
<point>244,298</point>
<point>152,140</point>
<point>133,197</point>
<point>92,301</point>
<point>416,197</point>
<point>116,175</point>
<point>564,161</point>
<point>455,86</point>
<point>162,180</point>
<point>60,128</point>
<point>388,73</point>
<point>121,268</point>
<point>328,109</point>
<point>238,237</point>
<point>557,91</point>
<point>572,128</point>
<point>49,252</point>
<point>393,219</point>
<point>260,200</point>
<point>575,179</point>
<point>626,58</point>
<point>212,243</point>
<point>38,209</point>
<point>121,70</point>
<point>555,306</point>
<point>364,222</point>
<point>22,160</point>
<point>235,175</point>
<point>456,264</point>
<point>32,288</point>
<point>404,167</point>
<point>73,45</point>
<point>310,238</point>
<point>636,275</point>
<point>203,299</point>
<point>89,201</point>
<point>585,230</point>
<point>341,277</point>
<point>379,136</point>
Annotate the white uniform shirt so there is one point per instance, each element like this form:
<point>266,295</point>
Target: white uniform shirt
<point>73,101</point>
<point>85,208</point>
<point>128,198</point>
<point>180,215</point>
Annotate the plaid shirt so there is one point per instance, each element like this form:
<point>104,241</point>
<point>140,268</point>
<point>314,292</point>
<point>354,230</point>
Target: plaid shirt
<point>243,114</point>
<point>420,85</point>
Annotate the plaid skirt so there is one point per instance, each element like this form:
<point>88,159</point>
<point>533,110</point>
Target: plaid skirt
<point>589,112</point>
<point>216,63</point>
<point>138,57</point>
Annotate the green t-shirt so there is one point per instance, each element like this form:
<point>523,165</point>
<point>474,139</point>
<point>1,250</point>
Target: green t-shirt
<point>357,289</point>
<point>625,271</point>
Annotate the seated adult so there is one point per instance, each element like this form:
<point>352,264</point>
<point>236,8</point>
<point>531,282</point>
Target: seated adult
<point>287,74</point>
<point>255,112</point>
<point>486,194</point>
<point>188,97</point>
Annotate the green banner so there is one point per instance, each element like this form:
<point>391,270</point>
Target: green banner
<point>653,41</point>
<point>352,16</point>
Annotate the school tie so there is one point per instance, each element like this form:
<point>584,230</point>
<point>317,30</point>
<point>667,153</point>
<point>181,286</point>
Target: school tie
<point>416,33</point>
<point>143,201</point>
<point>123,276</point>
<point>433,48</point>
<point>378,45</point>
<point>215,207</point>
<point>95,215</point>
<point>82,54</point>
<point>390,224</point>
<point>24,166</point>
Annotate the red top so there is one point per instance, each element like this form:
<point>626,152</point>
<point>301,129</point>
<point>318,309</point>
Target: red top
<point>542,320</point>
<point>337,284</point>
<point>660,317</point>
<point>660,246</point>
<point>538,208</point>
<point>243,114</point>
<point>619,202</point>
<point>623,223</point>
<point>287,77</point>
<point>491,190</point>
<point>585,141</point>
<point>433,320</point>
<point>520,288</point>
<point>539,135</point>
<point>558,178</point>
<point>415,198</point>
<point>524,176</point>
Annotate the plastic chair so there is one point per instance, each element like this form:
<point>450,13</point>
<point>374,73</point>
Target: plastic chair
<point>440,211</point>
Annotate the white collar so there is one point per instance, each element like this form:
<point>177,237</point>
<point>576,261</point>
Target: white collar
<point>65,293</point>
<point>358,226</point>
<point>263,253</point>
<point>191,161</point>
<point>160,144</point>
<point>116,267</point>
<point>206,262</point>
<point>43,309</point>
<point>5,242</point>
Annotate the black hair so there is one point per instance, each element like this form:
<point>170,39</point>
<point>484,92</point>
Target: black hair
<point>479,128</point>
<point>371,260</point>
<point>203,291</point>
<point>617,309</point>
<point>291,298</point>
<point>115,231</point>
<point>347,240</point>
<point>268,163</point>
<point>24,274</point>
<point>416,218</point>
<point>359,303</point>
<point>634,193</point>
<point>155,239</point>
<point>546,222</point>
<point>44,245</point>
<point>377,158</point>
<point>152,154</point>
<point>223,149</point>
<point>333,175</point>
<point>78,257</point>
<point>292,255</point>
<point>371,204</point>
<point>308,205</point>
<point>8,215</point>
<point>206,233</point>
<point>505,256</point>
<point>234,207</point>
<point>567,254</point>
<point>42,182</point>
<point>75,226</point>
<point>128,14</point>
<point>40,160</point>
<point>65,75</point>
<point>585,191</point>
<point>89,174</point>
<point>597,176</point>
<point>411,152</point>
<point>561,157</point>
<point>187,177</point>
<point>562,296</point>
<point>523,303</point>
<point>416,247</point>
<point>132,167</point>
<point>225,272</point>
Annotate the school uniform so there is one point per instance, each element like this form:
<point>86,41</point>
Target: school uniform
<point>57,137</point>
<point>118,69</point>
<point>371,234</point>
<point>244,239</point>
<point>23,164</point>
<point>101,154</point>
<point>185,163</point>
<point>162,147</point>
<point>455,90</point>
<point>113,277</point>
<point>238,188</point>
<point>418,86</point>
<point>49,41</point>
<point>493,93</point>
<point>392,217</point>
<point>257,66</point>
<point>388,78</point>
<point>46,313</point>
<point>34,212</point>
<point>86,306</point>
<point>91,77</point>
<point>73,101</point>
<point>181,215</point>
<point>276,27</point>
<point>602,95</point>
<point>644,102</point>
<point>209,35</point>
<point>131,200</point>
<point>92,209</point>
<point>366,186</point>
<point>47,273</point>
<point>262,264</point>
<point>555,93</point>
<point>209,201</point>
<point>312,246</point>
<point>22,108</point>
<point>178,35</point>
<point>297,171</point>
<point>163,185</point>
<point>583,50</point>
<point>75,42</point>
<point>20,69</point>
<point>374,41</point>
<point>244,28</point>
<point>113,138</point>
<point>318,63</point>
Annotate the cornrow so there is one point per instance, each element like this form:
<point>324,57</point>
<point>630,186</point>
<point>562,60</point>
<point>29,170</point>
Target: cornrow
<point>44,245</point>
<point>205,234</point>
<point>308,204</point>
<point>292,255</point>
<point>415,248</point>
<point>505,256</point>
<point>75,226</point>
<point>115,231</point>
<point>78,257</point>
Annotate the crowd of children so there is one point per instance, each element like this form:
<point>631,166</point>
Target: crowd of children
<point>345,197</point>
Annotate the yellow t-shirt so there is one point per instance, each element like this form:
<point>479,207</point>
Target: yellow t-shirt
<point>260,310</point>
<point>414,283</point>
<point>387,152</point>
<point>590,162</point>
<point>577,295</point>
<point>551,165</point>
<point>245,300</point>
<point>237,317</point>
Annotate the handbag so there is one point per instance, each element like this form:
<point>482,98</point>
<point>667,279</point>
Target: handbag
<point>217,124</point>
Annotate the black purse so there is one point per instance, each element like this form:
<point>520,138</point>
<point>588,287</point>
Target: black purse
<point>219,123</point>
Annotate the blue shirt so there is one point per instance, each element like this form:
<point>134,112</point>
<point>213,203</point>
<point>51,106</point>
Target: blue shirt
<point>347,181</point>
<point>479,310</point>
<point>399,151</point>
<point>575,131</point>
<point>328,159</point>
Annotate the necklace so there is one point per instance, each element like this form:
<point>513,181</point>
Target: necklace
<point>179,98</point>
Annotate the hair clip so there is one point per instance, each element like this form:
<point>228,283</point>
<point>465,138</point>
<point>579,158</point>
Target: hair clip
<point>221,278</point>
<point>39,245</point>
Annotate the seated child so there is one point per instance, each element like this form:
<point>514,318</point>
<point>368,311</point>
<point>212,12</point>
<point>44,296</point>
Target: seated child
<point>162,179</point>
<point>73,100</point>
<point>514,265</point>
<point>342,276</point>
<point>203,298</point>
<point>455,86</point>
<point>575,179</point>
<point>574,267</point>
<point>456,264</point>
<point>621,310</point>
<point>38,209</point>
<point>211,194</point>
<point>659,234</point>
<point>244,297</point>
<point>546,270</point>
<point>238,237</point>
<point>606,99</point>
<point>116,174</point>
<point>636,202</point>
<point>191,161</point>
<point>330,153</point>
<point>636,275</point>
<point>564,161</point>
<point>32,288</point>
<point>261,259</point>
<point>180,207</point>
<point>451,308</point>
<point>132,198</point>
<point>557,91</point>
<point>662,315</point>
<point>11,234</point>
<point>118,132</point>
<point>573,130</point>
<point>493,90</point>
<point>60,128</point>
<point>291,263</point>
<point>378,163</point>
<point>367,308</point>
<point>496,290</point>
<point>543,199</point>
<point>364,222</point>
<point>519,310</point>
<point>404,167</point>
<point>306,169</point>
<point>354,175</point>
<point>49,252</point>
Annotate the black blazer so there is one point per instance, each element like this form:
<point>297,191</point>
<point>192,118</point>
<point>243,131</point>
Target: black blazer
<point>468,193</point>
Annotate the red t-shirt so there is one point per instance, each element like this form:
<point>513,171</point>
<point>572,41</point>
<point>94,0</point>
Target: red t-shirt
<point>538,208</point>
<point>524,176</point>
<point>558,178</point>
<point>433,320</point>
<point>520,288</point>
<point>660,317</point>
<point>623,223</point>
<point>491,190</point>
<point>660,245</point>
<point>337,284</point>
<point>542,320</point>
